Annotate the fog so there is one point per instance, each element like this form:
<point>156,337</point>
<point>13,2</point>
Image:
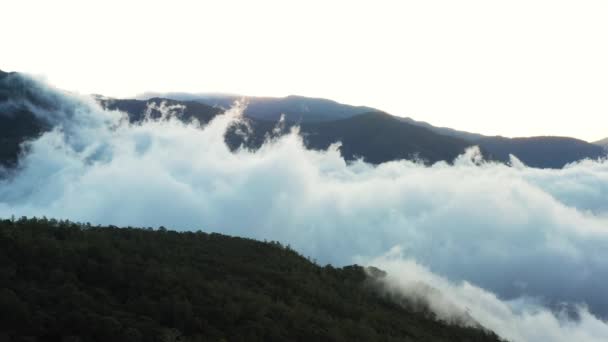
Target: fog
<point>521,239</point>
<point>521,319</point>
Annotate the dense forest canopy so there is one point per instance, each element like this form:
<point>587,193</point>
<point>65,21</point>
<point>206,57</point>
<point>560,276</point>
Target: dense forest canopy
<point>63,281</point>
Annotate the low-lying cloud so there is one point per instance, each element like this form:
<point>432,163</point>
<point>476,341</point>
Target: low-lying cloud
<point>516,232</point>
<point>521,319</point>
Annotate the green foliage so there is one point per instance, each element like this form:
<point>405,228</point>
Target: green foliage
<point>62,281</point>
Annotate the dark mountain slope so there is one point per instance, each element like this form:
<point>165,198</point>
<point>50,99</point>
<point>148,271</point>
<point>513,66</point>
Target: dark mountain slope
<point>376,137</point>
<point>66,282</point>
<point>603,143</point>
<point>541,152</point>
<point>17,123</point>
<point>445,130</point>
<point>379,137</point>
<point>14,130</point>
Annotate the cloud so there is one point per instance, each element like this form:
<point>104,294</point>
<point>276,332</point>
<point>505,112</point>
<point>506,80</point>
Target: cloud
<point>522,319</point>
<point>516,232</point>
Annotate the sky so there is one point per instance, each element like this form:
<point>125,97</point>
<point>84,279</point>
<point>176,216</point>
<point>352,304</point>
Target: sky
<point>514,68</point>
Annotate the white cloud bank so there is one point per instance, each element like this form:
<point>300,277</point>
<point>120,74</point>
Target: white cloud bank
<point>514,231</point>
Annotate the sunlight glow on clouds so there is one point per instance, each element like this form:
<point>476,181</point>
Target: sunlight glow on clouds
<point>513,68</point>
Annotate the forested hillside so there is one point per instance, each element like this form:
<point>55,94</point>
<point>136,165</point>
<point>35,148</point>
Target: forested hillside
<point>62,281</point>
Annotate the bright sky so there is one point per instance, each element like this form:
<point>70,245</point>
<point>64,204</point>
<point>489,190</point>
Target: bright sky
<point>514,68</point>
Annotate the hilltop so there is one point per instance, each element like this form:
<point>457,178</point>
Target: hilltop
<point>63,281</point>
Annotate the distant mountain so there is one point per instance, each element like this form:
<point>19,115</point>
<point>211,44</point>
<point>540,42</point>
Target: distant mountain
<point>379,137</point>
<point>541,152</point>
<point>364,132</point>
<point>603,143</point>
<point>445,130</point>
<point>375,137</point>
<point>358,134</point>
<point>295,108</point>
<point>137,109</point>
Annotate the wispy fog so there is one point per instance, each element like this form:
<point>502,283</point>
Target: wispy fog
<point>528,239</point>
<point>520,319</point>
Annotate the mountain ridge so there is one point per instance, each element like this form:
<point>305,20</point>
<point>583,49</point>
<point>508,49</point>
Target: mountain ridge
<point>66,281</point>
<point>603,143</point>
<point>365,132</point>
<point>294,107</point>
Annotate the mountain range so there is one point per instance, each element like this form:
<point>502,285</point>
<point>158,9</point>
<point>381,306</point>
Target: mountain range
<point>364,132</point>
<point>358,127</point>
